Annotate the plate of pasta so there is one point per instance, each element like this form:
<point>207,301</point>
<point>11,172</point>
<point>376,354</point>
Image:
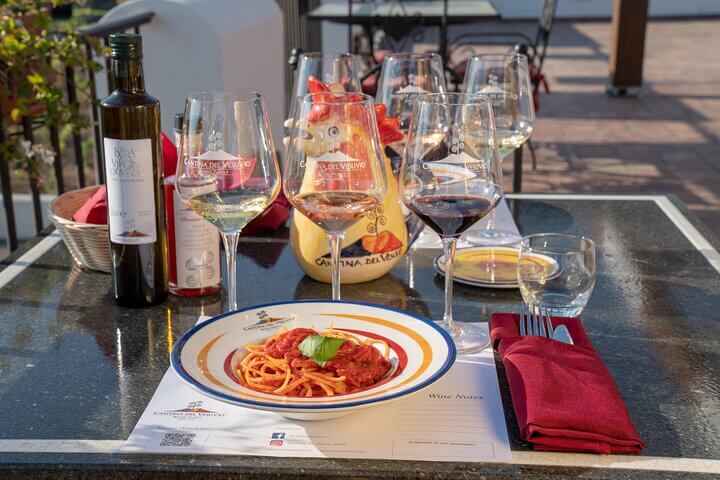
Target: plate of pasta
<point>312,360</point>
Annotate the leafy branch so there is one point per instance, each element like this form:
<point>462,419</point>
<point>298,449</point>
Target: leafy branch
<point>34,53</point>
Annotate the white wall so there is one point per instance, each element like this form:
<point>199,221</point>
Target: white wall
<point>210,44</point>
<point>24,216</point>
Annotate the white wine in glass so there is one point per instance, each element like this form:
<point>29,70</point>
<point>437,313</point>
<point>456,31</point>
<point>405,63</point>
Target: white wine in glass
<point>228,172</point>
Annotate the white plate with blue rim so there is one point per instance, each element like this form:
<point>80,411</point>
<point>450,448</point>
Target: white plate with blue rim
<point>208,356</point>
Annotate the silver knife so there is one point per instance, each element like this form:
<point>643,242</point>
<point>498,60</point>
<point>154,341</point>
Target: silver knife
<point>562,334</point>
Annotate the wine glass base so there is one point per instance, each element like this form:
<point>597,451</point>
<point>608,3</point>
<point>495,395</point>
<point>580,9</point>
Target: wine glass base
<point>468,337</point>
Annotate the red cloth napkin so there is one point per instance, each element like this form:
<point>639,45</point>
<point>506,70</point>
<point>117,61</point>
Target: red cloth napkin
<point>565,399</point>
<point>169,154</point>
<point>94,210</point>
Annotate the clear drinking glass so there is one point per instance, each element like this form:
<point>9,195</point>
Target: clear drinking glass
<point>333,165</point>
<point>505,79</point>
<point>328,67</point>
<point>451,177</point>
<point>227,168</point>
<point>557,272</point>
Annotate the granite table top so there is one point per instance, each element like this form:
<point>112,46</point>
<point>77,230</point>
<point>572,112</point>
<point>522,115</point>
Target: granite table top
<point>76,371</point>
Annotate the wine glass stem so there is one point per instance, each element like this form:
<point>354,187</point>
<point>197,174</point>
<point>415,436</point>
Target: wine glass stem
<point>490,231</point>
<point>230,240</point>
<point>449,244</point>
<point>490,227</point>
<point>335,245</point>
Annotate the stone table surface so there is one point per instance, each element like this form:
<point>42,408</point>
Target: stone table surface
<point>76,371</point>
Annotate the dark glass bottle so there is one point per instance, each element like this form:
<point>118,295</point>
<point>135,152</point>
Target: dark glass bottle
<point>133,174</point>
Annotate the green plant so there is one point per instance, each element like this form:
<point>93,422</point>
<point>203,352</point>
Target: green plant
<point>34,53</point>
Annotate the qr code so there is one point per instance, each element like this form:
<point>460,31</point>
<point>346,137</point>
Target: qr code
<point>177,440</point>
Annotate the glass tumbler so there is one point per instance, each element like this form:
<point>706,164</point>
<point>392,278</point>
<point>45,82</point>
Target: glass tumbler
<point>556,272</point>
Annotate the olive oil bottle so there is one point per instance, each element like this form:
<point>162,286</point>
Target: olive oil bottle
<point>133,175</point>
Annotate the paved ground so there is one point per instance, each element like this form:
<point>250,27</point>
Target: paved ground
<point>666,140</point>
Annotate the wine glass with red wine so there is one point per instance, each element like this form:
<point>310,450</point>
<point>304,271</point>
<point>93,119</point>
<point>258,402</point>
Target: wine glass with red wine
<point>451,177</point>
<point>333,166</point>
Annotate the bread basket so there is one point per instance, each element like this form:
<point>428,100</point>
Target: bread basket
<point>88,243</point>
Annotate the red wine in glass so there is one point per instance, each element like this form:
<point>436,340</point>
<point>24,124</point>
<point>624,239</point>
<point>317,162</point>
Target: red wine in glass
<point>450,215</point>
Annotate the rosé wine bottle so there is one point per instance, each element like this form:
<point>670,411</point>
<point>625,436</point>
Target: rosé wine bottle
<point>193,243</point>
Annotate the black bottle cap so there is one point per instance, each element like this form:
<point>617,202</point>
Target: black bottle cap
<point>178,122</point>
<point>126,46</point>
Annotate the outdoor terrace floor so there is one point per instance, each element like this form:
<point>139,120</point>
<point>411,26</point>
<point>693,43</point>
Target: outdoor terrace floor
<point>666,140</point>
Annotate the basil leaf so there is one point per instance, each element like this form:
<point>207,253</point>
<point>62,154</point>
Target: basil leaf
<point>320,349</point>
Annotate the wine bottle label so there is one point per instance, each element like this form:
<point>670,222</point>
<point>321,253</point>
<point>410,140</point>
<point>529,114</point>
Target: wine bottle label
<point>130,199</point>
<point>197,248</point>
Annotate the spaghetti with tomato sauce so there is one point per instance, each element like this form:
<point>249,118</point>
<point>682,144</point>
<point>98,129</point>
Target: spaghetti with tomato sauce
<point>278,366</point>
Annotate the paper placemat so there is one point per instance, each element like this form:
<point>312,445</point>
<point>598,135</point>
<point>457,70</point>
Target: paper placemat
<point>460,418</point>
<point>504,223</point>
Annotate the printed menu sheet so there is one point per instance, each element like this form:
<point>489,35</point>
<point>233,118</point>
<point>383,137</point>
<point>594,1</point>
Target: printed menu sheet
<point>460,418</point>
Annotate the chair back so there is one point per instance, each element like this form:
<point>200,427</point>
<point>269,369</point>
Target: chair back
<point>545,24</point>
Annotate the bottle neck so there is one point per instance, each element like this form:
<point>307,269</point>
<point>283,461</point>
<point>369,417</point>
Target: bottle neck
<point>127,75</point>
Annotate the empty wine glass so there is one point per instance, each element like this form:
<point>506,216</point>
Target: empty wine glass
<point>404,77</point>
<point>505,79</point>
<point>329,68</point>
<point>451,177</point>
<point>333,165</point>
<point>227,170</point>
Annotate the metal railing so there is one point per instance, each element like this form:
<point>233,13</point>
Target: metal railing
<point>29,125</point>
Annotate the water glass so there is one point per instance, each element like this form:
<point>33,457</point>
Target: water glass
<point>557,272</point>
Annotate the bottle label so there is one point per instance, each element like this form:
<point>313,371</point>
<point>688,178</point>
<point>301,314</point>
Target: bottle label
<point>197,248</point>
<point>130,198</point>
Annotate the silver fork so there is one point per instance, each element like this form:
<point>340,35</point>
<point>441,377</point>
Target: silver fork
<point>534,320</point>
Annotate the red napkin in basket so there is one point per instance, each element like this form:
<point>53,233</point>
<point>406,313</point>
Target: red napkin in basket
<point>565,399</point>
<point>94,210</point>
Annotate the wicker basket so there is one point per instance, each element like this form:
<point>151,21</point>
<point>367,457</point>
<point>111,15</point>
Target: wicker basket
<point>88,243</point>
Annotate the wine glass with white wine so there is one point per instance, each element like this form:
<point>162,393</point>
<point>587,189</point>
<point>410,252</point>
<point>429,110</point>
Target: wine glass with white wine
<point>504,79</point>
<point>227,170</point>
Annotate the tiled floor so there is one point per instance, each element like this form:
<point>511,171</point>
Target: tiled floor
<point>666,140</point>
